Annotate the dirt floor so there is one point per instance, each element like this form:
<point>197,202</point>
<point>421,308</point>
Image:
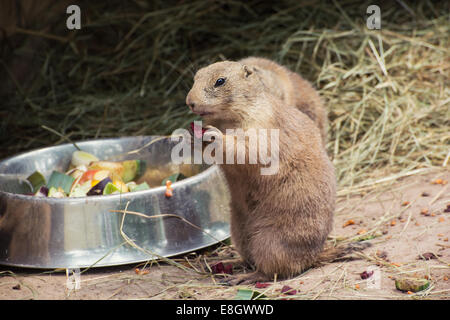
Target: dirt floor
<point>405,220</point>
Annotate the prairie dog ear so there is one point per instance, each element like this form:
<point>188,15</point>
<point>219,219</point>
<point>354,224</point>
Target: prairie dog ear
<point>247,71</point>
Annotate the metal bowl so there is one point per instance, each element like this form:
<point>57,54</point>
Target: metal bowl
<point>41,232</point>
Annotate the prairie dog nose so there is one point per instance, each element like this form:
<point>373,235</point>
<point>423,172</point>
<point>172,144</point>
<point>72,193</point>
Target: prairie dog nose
<point>189,101</point>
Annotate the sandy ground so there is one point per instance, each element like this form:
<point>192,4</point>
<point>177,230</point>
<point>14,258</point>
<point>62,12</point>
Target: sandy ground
<point>392,214</point>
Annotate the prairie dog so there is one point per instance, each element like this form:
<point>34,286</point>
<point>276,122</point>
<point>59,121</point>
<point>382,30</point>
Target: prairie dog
<point>279,222</point>
<point>292,89</point>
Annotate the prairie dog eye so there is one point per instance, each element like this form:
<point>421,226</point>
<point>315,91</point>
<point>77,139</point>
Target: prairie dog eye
<point>219,82</point>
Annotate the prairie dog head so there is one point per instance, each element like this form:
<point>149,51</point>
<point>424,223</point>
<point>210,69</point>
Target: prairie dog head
<point>224,91</point>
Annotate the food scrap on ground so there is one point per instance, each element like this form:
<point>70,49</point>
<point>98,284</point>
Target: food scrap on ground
<point>411,284</point>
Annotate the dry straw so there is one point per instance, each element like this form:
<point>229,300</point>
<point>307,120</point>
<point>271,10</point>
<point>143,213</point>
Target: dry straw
<point>127,71</point>
<point>129,68</point>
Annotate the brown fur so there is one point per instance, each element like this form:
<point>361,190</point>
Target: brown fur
<point>292,89</point>
<point>279,223</point>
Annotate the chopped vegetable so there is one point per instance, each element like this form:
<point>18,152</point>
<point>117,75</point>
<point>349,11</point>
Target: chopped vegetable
<point>262,285</point>
<point>115,167</point>
<point>98,188</point>
<point>60,180</point>
<point>54,192</point>
<point>133,169</point>
<point>140,187</point>
<point>81,190</point>
<point>197,130</point>
<point>37,180</point>
<point>100,175</point>
<point>87,176</point>
<point>169,193</point>
<point>169,190</point>
<point>366,275</point>
<point>42,192</point>
<point>221,268</point>
<point>77,172</point>
<point>248,294</point>
<point>173,178</point>
<point>348,223</point>
<point>412,284</point>
<point>82,158</point>
<point>288,290</point>
<point>110,189</point>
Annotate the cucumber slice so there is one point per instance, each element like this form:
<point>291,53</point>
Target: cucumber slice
<point>133,169</point>
<point>82,158</point>
<point>411,284</point>
<point>114,167</point>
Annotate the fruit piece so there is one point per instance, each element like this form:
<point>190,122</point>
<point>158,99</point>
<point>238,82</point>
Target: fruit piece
<point>366,275</point>
<point>133,169</point>
<point>357,286</point>
<point>348,223</point>
<point>427,256</point>
<point>221,268</point>
<point>98,188</point>
<point>60,180</point>
<point>37,180</point>
<point>88,175</point>
<point>115,167</point>
<point>77,172</point>
<point>393,223</point>
<point>288,290</point>
<point>131,185</point>
<point>197,130</point>
<point>81,190</point>
<point>82,158</point>
<point>405,203</point>
<point>120,185</point>
<point>100,175</point>
<point>411,284</point>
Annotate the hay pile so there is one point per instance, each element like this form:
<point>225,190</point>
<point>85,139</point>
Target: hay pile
<point>127,71</point>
